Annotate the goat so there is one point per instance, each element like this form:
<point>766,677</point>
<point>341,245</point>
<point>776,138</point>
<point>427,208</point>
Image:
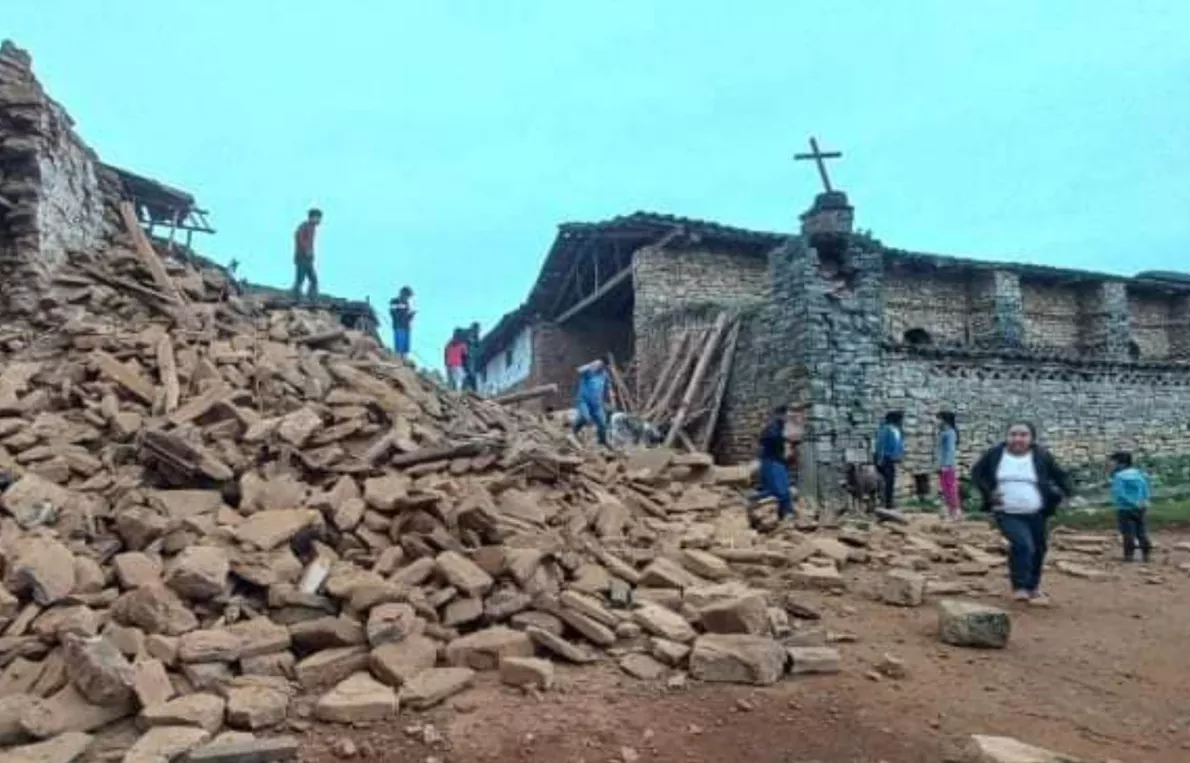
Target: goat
<point>863,483</point>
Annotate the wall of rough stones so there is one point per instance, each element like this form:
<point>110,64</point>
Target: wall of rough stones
<point>668,280</point>
<point>1052,315</point>
<point>941,304</point>
<point>1084,411</point>
<point>1154,322</point>
<point>54,198</point>
<point>559,350</point>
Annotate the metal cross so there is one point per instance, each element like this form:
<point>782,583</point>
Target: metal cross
<point>818,156</point>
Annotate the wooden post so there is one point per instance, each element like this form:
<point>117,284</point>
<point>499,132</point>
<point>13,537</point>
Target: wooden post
<point>700,370</point>
<point>666,370</point>
<point>725,362</point>
<point>676,376</point>
<point>167,368</point>
<point>526,394</point>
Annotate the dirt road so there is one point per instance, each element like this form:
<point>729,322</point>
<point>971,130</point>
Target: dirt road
<point>1105,675</point>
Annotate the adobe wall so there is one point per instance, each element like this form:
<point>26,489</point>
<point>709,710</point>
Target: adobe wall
<point>559,350</point>
<point>53,197</point>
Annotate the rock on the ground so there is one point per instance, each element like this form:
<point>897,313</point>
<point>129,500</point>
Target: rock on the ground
<point>199,573</point>
<point>664,623</point>
<point>463,574</point>
<point>434,685</point>
<point>331,666</point>
<point>555,644</point>
<point>527,671</point>
<point>741,614</point>
<point>705,564</point>
<point>228,750</point>
<point>44,568</point>
<point>992,749</point>
<point>98,670</point>
<point>202,710</point>
<point>67,710</point>
<point>163,744</point>
<point>483,650</point>
<point>669,652</point>
<point>64,748</point>
<point>358,698</point>
<point>214,645</point>
<point>256,707</point>
<point>964,623</point>
<point>150,682</point>
<point>389,623</point>
<point>737,658</point>
<point>805,660</point>
<point>642,666</point>
<point>396,663</point>
<point>270,528</point>
<point>154,609</point>
<point>903,588</point>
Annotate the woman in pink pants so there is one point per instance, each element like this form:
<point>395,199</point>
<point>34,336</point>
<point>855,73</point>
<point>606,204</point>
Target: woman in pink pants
<point>948,446</point>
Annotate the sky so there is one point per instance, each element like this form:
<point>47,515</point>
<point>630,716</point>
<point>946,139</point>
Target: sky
<point>445,141</point>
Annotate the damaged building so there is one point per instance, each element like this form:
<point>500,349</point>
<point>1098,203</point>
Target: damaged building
<point>57,198</point>
<point>846,328</point>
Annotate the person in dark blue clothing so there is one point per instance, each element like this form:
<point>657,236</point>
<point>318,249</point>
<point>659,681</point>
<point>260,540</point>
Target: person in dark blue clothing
<point>589,399</point>
<point>774,467</point>
<point>890,449</point>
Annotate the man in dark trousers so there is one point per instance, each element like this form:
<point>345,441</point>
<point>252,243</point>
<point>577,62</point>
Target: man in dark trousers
<point>303,255</point>
<point>400,310</point>
<point>887,455</point>
<point>471,380</point>
<point>774,465</point>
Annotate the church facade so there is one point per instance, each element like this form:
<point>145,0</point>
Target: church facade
<point>845,328</point>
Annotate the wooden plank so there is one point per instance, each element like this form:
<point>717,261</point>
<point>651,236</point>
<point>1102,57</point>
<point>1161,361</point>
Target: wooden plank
<point>436,454</point>
<point>526,394</point>
<point>700,370</point>
<point>680,372</point>
<point>167,371</point>
<point>148,256</point>
<point>670,361</point>
<point>725,364</point>
<point>627,404</point>
<point>594,296</point>
<point>139,386</point>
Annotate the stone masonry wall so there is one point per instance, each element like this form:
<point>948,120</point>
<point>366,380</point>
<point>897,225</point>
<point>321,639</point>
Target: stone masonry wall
<point>939,304</point>
<point>1083,411</point>
<point>559,350</point>
<point>1151,317</point>
<point>53,196</point>
<point>1051,315</point>
<point>670,279</point>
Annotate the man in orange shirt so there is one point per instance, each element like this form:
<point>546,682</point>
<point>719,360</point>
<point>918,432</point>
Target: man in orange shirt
<point>455,359</point>
<point>303,255</point>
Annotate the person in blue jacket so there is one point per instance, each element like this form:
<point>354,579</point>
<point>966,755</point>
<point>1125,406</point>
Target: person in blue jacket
<point>889,450</point>
<point>1130,494</point>
<point>589,399</point>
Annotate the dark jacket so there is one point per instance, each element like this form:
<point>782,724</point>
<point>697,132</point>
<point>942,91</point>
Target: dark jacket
<point>1052,481</point>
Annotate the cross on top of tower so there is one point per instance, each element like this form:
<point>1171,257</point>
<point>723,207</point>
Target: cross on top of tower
<point>818,156</point>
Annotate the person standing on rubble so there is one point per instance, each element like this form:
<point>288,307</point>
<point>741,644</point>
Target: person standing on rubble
<point>400,310</point>
<point>456,358</point>
<point>890,449</point>
<point>1022,485</point>
<point>948,478</point>
<point>589,399</point>
<point>471,377</point>
<point>303,255</point>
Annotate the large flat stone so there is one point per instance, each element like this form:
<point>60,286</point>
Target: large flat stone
<point>396,663</point>
<point>202,710</point>
<point>742,614</point>
<point>163,744</point>
<point>663,622</point>
<point>256,707</point>
<point>964,623</point>
<point>482,650</point>
<point>267,750</point>
<point>67,710</point>
<point>64,748</point>
<point>903,588</point>
<point>737,658</point>
<point>993,749</point>
<point>358,698</point>
<point>434,685</point>
<point>331,666</point>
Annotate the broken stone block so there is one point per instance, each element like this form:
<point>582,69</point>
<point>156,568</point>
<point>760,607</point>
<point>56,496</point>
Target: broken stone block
<point>737,658</point>
<point>642,666</point>
<point>151,683</point>
<point>743,614</point>
<point>483,649</point>
<point>669,652</point>
<point>356,699</point>
<point>64,748</point>
<point>592,630</point>
<point>963,623</point>
<point>139,526</point>
<point>97,669</point>
<point>135,569</point>
<point>331,666</point>
<point>202,710</point>
<point>67,710</point>
<point>326,633</point>
<point>463,574</point>
<point>163,744</point>
<point>297,427</point>
<point>154,609</point>
<point>589,606</point>
<point>666,573</point>
<point>390,623</point>
<point>891,667</point>
<point>817,577</point>
<point>806,660</point>
<point>57,622</point>
<point>234,750</point>
<point>214,645</point>
<point>260,636</point>
<point>903,588</point>
<point>268,529</point>
<point>396,663</point>
<point>278,664</point>
<point>207,675</point>
<point>44,568</point>
<point>256,707</point>
<point>992,749</point>
<point>462,611</point>
<point>705,564</point>
<point>88,576</point>
<point>555,644</point>
<point>665,623</point>
<point>432,686</point>
<point>527,671</point>
<point>199,573</point>
<point>11,708</point>
<point>384,493</point>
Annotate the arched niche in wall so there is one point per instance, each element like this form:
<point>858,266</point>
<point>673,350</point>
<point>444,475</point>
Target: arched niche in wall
<point>917,337</point>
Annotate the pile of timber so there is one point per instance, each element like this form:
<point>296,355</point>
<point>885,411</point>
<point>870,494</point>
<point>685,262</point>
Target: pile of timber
<point>687,398</point>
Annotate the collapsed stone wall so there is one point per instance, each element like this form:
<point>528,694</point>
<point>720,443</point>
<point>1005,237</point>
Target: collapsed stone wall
<point>54,198</point>
<point>1084,411</point>
<point>559,350</point>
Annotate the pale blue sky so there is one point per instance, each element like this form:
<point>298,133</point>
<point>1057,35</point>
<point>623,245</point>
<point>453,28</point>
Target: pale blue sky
<point>445,140</point>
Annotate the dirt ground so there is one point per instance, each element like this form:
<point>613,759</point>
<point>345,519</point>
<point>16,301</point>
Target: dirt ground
<point>1104,674</point>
